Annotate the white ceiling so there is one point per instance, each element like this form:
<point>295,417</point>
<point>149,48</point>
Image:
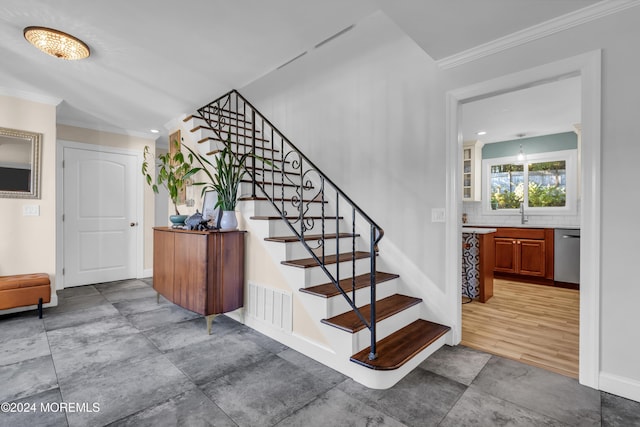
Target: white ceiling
<point>539,110</point>
<point>153,60</point>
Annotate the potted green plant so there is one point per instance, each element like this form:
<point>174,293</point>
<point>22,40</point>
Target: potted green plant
<point>174,173</point>
<point>224,177</point>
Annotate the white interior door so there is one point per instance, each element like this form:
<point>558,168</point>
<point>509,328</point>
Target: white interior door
<point>99,216</point>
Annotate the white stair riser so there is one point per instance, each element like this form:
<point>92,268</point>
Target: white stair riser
<point>278,228</point>
<point>384,328</point>
<point>385,379</point>
<point>276,190</point>
<point>264,208</point>
<point>296,250</point>
<point>338,305</point>
<point>305,277</point>
<point>324,308</point>
<point>350,344</point>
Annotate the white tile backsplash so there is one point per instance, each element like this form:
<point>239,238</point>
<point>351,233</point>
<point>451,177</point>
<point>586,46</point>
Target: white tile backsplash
<point>476,216</point>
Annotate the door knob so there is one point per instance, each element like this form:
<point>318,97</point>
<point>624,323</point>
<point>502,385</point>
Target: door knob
<point>133,224</point>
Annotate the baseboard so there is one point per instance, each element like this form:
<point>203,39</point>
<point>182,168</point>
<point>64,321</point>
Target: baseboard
<point>620,386</point>
<point>146,273</point>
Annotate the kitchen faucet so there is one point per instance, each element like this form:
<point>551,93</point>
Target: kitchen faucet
<point>523,220</point>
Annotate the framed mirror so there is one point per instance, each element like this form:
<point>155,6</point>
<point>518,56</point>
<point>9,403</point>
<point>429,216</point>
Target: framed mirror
<point>19,164</point>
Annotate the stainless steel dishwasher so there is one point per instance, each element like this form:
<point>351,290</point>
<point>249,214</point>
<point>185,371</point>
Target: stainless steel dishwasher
<point>566,262</point>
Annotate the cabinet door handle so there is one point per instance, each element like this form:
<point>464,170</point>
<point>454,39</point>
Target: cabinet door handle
<point>518,241</point>
<point>514,242</point>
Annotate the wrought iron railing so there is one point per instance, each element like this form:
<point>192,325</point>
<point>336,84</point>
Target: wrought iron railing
<point>278,168</point>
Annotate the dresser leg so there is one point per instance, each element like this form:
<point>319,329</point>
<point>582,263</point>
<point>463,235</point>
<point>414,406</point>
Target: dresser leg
<point>157,297</point>
<point>209,321</point>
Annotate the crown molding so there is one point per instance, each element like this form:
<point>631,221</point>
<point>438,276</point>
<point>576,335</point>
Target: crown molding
<point>552,26</point>
<point>107,129</point>
<point>30,96</point>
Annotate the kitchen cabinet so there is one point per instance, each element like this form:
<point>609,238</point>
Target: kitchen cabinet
<point>526,252</point>
<point>520,256</point>
<point>202,271</point>
<point>471,171</point>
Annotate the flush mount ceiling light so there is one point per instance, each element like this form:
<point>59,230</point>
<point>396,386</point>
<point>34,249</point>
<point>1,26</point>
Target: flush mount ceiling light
<point>56,43</point>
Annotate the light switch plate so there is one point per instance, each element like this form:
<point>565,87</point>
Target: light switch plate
<point>437,215</point>
<point>31,210</point>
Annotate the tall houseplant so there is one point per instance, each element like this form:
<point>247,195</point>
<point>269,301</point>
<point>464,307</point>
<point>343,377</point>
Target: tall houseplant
<point>174,172</point>
<point>224,177</point>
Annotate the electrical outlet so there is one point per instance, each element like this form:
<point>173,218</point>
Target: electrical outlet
<point>437,215</point>
<point>31,210</point>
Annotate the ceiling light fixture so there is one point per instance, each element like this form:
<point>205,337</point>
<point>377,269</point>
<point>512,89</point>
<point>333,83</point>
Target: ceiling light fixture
<point>521,154</point>
<point>56,43</point>
<point>154,130</point>
<point>482,132</point>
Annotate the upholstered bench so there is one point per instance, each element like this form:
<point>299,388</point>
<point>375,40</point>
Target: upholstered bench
<point>25,289</point>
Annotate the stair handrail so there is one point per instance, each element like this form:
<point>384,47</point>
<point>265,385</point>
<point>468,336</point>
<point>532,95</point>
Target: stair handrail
<point>376,232</point>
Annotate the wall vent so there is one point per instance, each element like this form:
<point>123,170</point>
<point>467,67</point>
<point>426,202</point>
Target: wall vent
<point>335,36</point>
<point>291,60</point>
<point>272,306</point>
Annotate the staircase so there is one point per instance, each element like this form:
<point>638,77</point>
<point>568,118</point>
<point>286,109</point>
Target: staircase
<point>328,247</point>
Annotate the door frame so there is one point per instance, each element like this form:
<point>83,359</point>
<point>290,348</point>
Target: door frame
<point>139,205</point>
<point>589,67</point>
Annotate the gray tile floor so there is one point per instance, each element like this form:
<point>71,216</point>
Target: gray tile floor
<point>149,364</point>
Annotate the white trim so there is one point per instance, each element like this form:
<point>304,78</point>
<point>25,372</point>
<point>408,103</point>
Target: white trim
<point>453,225</point>
<point>60,146</point>
<point>147,272</point>
<point>589,67</point>
<point>30,96</point>
<point>620,386</point>
<point>544,29</point>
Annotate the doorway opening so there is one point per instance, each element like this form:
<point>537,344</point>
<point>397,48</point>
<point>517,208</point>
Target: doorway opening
<point>520,176</point>
<point>588,68</point>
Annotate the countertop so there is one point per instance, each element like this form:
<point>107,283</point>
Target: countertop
<point>473,230</point>
<point>570,227</point>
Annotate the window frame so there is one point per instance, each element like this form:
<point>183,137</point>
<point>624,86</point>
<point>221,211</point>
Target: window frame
<point>570,157</point>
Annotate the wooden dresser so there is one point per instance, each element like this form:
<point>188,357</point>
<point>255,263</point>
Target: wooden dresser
<point>202,271</point>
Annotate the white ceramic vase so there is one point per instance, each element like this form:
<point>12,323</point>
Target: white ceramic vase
<point>228,221</point>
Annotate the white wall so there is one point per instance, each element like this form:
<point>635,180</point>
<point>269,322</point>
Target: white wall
<point>363,109</point>
<point>616,36</point>
<point>368,109</point>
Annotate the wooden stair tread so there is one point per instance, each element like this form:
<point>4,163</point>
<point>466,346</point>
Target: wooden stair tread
<point>401,346</point>
<point>261,171</point>
<point>236,119</point>
<point>290,218</point>
<point>215,111</point>
<point>328,290</point>
<point>386,307</point>
<point>291,239</point>
<point>330,259</point>
<point>197,128</point>
<point>248,181</point>
<point>257,198</point>
<point>213,138</point>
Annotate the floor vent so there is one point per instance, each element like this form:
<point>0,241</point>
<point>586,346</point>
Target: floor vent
<point>272,306</point>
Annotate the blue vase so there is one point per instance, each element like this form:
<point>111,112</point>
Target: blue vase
<point>178,219</point>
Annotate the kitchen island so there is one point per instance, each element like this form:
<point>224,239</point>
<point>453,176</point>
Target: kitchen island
<point>478,258</point>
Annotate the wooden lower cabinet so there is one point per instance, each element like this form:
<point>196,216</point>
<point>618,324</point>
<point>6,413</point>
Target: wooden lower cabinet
<point>525,252</point>
<point>520,256</point>
<point>202,271</point>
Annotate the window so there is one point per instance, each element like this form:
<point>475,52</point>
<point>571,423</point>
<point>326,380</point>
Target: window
<point>545,183</point>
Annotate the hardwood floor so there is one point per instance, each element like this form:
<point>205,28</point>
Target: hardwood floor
<point>534,324</point>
